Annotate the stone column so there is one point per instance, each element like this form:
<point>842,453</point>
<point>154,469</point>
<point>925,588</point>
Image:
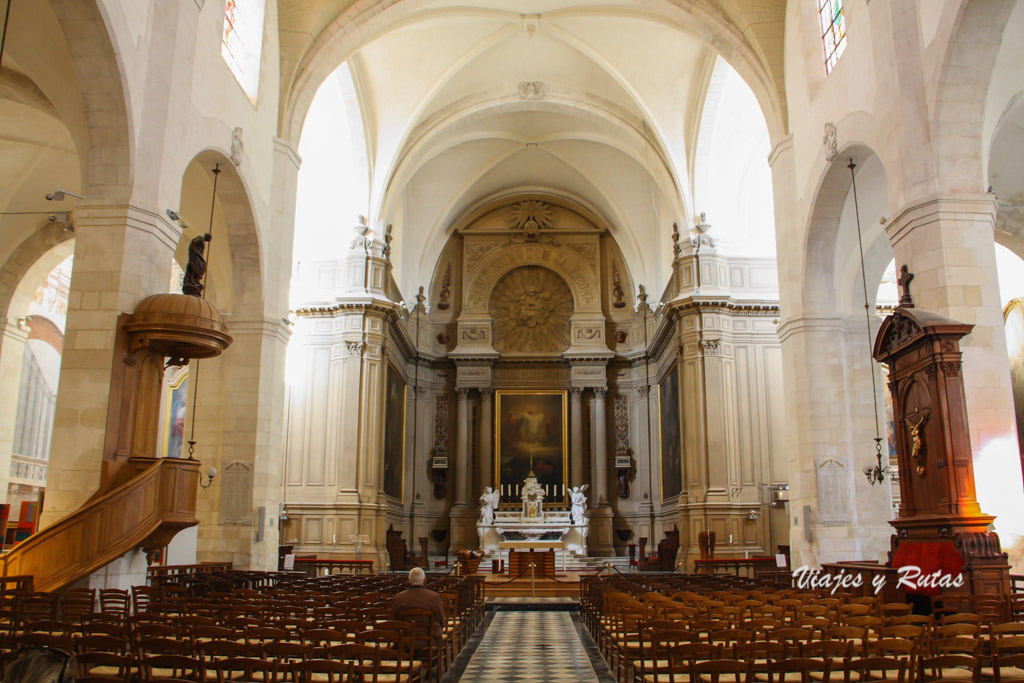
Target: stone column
<point>486,439</point>
<point>600,448</point>
<point>462,450</point>
<point>947,243</point>
<point>576,437</point>
<point>122,254</point>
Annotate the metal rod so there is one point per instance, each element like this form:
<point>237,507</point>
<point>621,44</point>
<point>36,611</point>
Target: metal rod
<point>867,306</point>
<point>195,378</point>
<point>209,230</point>
<point>533,587</point>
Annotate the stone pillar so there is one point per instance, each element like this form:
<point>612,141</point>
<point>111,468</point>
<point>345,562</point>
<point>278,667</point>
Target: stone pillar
<point>11,354</point>
<point>122,254</point>
<point>599,540</point>
<point>462,450</point>
<point>947,243</point>
<point>463,518</point>
<point>600,448</point>
<point>576,437</point>
<point>486,439</point>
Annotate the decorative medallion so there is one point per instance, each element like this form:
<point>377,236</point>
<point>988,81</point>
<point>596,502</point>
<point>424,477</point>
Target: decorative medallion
<point>531,307</point>
<point>530,216</point>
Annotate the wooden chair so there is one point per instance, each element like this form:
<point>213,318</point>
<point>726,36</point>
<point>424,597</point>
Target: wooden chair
<point>103,667</point>
<point>958,668</point>
<point>726,670</point>
<point>425,647</point>
<point>864,669</point>
<point>243,669</point>
<point>165,668</point>
<point>322,671</point>
<point>801,670</point>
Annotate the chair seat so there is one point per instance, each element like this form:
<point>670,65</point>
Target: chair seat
<point>666,678</point>
<point>1006,673</point>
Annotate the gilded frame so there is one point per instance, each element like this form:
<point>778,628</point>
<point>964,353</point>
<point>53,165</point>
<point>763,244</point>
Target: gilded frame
<point>165,434</point>
<point>392,372</point>
<point>563,406</point>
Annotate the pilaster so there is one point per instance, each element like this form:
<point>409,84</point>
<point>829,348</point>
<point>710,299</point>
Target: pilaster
<point>12,352</point>
<point>123,253</point>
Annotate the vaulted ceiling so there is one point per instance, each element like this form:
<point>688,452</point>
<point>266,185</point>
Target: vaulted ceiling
<point>603,103</point>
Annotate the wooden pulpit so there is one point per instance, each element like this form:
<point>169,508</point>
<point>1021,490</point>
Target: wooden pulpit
<point>940,526</point>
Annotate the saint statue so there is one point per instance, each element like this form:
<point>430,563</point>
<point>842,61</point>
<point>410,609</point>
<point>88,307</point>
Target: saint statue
<point>192,283</point>
<point>579,503</point>
<point>488,504</point>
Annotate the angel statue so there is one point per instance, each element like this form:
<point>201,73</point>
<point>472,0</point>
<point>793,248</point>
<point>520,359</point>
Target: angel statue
<point>579,503</point>
<point>488,504</point>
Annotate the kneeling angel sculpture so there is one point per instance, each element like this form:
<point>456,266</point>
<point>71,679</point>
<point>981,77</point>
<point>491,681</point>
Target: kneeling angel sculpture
<point>488,504</point>
<point>579,503</point>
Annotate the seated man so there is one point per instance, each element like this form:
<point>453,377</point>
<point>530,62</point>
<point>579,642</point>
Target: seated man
<point>420,597</point>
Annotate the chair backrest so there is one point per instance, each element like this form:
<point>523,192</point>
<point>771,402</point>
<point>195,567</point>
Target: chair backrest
<point>252,669</point>
<point>165,667</point>
<point>782,669</point>
<point>87,661</point>
<point>947,667</point>
<point>321,671</point>
<point>863,668</point>
<point>729,670</point>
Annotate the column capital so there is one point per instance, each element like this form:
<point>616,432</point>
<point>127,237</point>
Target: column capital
<point>485,393</point>
<point>600,392</point>
<point>932,209</point>
<point>463,393</point>
<point>150,221</point>
<point>576,392</point>
<point>285,148</point>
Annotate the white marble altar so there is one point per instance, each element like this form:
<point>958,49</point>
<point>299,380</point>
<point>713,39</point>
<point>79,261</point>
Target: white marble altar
<point>531,522</point>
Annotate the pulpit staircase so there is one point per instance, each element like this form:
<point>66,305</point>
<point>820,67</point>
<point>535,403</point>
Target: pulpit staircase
<point>146,511</point>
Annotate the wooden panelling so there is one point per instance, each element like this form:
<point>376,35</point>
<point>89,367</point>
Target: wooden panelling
<point>155,503</point>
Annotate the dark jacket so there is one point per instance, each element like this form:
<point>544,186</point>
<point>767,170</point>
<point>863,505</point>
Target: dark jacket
<point>419,597</point>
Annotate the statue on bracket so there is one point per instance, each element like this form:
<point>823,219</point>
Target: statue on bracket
<point>488,504</point>
<point>578,497</point>
<point>192,283</point>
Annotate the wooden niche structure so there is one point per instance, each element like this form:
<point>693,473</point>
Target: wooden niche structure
<point>940,526</point>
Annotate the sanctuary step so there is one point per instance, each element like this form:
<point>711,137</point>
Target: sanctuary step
<point>572,563</point>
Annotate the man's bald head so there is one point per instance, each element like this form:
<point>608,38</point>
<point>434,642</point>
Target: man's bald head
<point>417,577</point>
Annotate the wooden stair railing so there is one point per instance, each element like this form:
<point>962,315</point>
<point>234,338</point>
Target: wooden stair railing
<point>157,501</point>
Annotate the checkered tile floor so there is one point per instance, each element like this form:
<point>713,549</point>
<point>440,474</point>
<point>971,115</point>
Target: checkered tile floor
<point>530,647</point>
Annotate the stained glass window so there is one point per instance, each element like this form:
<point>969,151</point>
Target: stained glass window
<point>833,31</point>
<point>242,43</point>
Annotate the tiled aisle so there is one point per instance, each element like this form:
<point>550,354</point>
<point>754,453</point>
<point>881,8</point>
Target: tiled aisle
<point>534,647</point>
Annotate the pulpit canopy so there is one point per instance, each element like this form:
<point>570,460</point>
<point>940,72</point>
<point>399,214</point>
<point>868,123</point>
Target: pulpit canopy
<point>908,326</point>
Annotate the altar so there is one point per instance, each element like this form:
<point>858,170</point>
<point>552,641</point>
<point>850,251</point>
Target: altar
<point>521,553</point>
<point>532,523</point>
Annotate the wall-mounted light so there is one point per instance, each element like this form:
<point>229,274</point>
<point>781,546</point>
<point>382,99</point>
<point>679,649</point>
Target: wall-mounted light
<point>58,195</point>
<point>753,514</point>
<point>210,474</point>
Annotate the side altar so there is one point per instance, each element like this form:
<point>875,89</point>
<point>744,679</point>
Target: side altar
<point>532,521</point>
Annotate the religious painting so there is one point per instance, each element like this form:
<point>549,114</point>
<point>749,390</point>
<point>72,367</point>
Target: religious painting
<point>175,407</point>
<point>671,435</point>
<point>1013,325</point>
<point>531,433</point>
<point>890,425</point>
<point>394,434</point>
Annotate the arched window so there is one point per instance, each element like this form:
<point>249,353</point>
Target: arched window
<point>833,31</point>
<point>242,43</point>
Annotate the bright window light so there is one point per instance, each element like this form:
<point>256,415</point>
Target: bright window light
<point>833,31</point>
<point>242,42</point>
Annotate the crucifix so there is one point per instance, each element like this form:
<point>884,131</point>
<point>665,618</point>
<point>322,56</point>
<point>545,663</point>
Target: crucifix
<point>904,284</point>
